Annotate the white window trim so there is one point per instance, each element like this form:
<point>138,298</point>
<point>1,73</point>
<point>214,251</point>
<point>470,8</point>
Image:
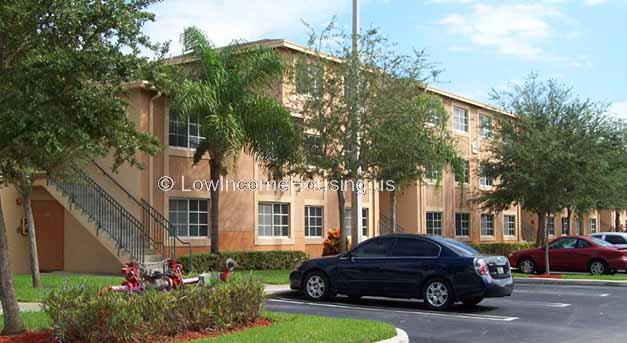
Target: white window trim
<point>482,115</point>
<point>441,222</point>
<point>321,218</point>
<point>274,239</point>
<point>457,131</point>
<point>191,238</point>
<point>493,235</point>
<point>507,236</point>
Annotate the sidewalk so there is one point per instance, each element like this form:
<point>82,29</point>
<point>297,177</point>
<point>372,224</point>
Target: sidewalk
<point>273,289</point>
<point>27,307</point>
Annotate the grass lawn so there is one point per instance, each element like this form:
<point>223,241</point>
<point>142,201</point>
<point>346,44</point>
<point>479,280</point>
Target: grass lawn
<point>272,277</point>
<point>615,277</point>
<point>302,328</point>
<point>285,328</point>
<point>26,293</point>
<point>33,321</point>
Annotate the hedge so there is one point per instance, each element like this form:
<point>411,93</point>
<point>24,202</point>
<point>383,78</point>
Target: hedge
<point>501,249</point>
<point>79,314</point>
<point>245,260</point>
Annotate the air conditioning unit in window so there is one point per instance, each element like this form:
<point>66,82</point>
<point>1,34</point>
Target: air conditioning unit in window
<point>474,148</point>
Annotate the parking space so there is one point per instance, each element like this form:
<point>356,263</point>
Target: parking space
<point>534,313</point>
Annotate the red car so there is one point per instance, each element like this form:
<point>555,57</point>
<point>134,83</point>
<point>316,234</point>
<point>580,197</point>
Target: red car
<point>572,254</point>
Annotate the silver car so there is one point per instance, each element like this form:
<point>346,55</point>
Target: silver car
<point>618,239</point>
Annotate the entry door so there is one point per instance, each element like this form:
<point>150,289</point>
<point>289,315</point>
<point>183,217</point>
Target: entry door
<point>48,216</point>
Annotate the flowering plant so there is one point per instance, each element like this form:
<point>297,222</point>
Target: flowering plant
<point>332,243</point>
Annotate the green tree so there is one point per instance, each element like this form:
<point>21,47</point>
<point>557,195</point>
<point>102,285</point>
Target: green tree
<point>342,94</point>
<point>227,88</point>
<point>62,70</point>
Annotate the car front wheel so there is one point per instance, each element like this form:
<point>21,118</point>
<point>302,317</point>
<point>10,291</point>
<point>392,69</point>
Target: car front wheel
<point>437,294</point>
<point>317,286</point>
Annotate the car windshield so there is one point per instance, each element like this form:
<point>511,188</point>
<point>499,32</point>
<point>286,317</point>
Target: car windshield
<point>600,242</point>
<point>458,247</point>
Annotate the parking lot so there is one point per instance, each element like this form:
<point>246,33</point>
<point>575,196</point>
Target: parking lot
<point>534,313</point>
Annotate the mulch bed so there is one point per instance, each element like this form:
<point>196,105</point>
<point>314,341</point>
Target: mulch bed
<point>546,276</point>
<point>47,337</point>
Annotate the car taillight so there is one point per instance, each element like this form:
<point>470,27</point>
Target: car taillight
<point>481,267</point>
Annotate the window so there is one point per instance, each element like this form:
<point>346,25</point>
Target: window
<point>379,247</point>
<point>274,219</point>
<point>460,119</point>
<point>462,224</point>
<point>509,225</point>
<point>593,225</point>
<point>565,226</point>
<point>364,221</point>
<point>485,126</point>
<point>487,225</point>
<point>434,223</point>
<point>550,225</point>
<point>313,147</point>
<point>583,244</point>
<point>485,180</point>
<point>564,243</point>
<point>432,174</point>
<point>185,132</point>
<point>189,217</point>
<point>410,247</point>
<point>615,239</point>
<point>579,226</point>
<point>313,221</point>
<point>466,173</point>
<point>307,77</point>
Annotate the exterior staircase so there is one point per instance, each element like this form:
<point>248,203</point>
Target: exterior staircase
<point>385,226</point>
<point>138,234</point>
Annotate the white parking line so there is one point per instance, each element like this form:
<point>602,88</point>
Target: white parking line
<point>561,293</point>
<point>424,313</point>
<point>530,303</point>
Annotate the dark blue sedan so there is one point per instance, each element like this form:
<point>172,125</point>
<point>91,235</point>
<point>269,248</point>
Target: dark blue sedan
<point>437,269</point>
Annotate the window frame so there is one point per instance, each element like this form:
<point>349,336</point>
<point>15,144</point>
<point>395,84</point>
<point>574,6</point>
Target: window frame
<point>460,220</point>
<point>565,221</point>
<point>507,227</point>
<point>485,182</point>
<point>433,220</point>
<point>176,225</point>
<point>308,218</point>
<point>174,120</point>
<point>485,120</point>
<point>272,224</point>
<point>482,222</point>
<point>596,227</point>
<point>466,180</point>
<point>465,120</point>
<point>550,228</point>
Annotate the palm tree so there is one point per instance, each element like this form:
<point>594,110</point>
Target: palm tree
<point>227,88</point>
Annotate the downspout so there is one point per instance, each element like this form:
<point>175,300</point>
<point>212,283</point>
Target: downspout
<point>150,157</point>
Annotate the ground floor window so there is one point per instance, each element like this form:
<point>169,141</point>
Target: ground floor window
<point>434,223</point>
<point>348,220</point>
<point>313,221</point>
<point>550,225</point>
<point>462,224</point>
<point>579,226</point>
<point>364,222</point>
<point>565,226</point>
<point>487,225</point>
<point>189,217</point>
<point>509,225</point>
<point>593,225</point>
<point>273,219</point>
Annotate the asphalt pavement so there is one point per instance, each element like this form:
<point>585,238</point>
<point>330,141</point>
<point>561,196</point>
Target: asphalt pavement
<point>534,313</point>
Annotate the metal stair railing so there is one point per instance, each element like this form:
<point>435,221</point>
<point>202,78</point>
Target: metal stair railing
<point>385,225</point>
<point>107,213</point>
<point>162,235</point>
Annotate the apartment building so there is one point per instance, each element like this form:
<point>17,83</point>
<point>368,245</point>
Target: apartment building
<point>103,219</point>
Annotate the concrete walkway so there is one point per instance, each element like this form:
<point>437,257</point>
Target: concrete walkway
<point>27,307</point>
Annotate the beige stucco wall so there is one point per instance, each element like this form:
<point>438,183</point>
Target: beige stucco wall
<point>13,213</point>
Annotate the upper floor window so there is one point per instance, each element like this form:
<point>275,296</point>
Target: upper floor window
<point>487,225</point>
<point>462,224</point>
<point>593,225</point>
<point>313,147</point>
<point>485,126</point>
<point>460,119</point>
<point>185,132</point>
<point>434,223</point>
<point>432,174</point>
<point>313,221</point>
<point>274,220</point>
<point>484,179</point>
<point>307,78</point>
<point>466,173</point>
<point>189,217</point>
<point>509,225</point>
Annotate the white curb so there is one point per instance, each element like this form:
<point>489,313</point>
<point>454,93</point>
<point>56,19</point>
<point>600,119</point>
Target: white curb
<point>401,337</point>
<point>574,282</point>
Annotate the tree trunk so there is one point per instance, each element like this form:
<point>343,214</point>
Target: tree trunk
<point>569,214</point>
<point>340,206</point>
<point>32,240</point>
<point>540,230</point>
<point>617,221</point>
<point>12,320</point>
<point>214,170</point>
<point>393,211</point>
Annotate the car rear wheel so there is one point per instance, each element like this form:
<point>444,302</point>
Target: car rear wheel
<point>316,286</point>
<point>598,267</point>
<point>472,301</point>
<point>437,294</point>
<point>527,266</point>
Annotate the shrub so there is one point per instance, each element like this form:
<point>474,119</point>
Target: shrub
<point>501,249</point>
<point>332,243</point>
<point>247,260</point>
<point>78,313</point>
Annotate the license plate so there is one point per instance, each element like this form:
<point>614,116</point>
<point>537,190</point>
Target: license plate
<point>499,270</point>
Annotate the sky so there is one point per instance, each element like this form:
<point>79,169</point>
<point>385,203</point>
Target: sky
<point>480,44</point>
